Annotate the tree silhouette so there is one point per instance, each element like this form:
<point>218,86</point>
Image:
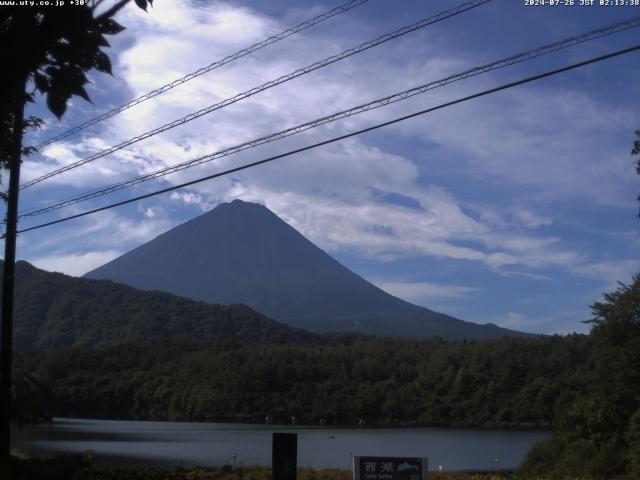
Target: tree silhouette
<point>43,48</point>
<point>636,151</point>
<point>50,49</point>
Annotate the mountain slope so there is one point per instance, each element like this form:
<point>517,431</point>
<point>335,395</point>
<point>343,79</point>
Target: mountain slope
<point>243,253</point>
<point>54,310</point>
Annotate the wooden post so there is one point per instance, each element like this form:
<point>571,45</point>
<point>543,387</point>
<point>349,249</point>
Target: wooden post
<point>284,456</point>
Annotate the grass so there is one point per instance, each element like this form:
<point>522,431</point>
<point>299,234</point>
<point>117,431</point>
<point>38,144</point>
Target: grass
<point>74,468</point>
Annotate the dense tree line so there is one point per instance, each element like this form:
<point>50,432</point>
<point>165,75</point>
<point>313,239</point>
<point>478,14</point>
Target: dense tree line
<point>241,366</point>
<point>53,310</point>
<point>509,382</point>
<point>585,387</point>
<point>31,400</point>
<point>598,434</point>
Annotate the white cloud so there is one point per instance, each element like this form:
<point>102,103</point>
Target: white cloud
<point>531,220</point>
<point>562,322</point>
<point>150,212</point>
<point>577,159</point>
<point>610,272</point>
<point>108,231</point>
<point>516,140</point>
<point>549,143</point>
<point>325,193</point>
<point>187,197</point>
<point>385,231</point>
<point>75,264</point>
<point>417,291</point>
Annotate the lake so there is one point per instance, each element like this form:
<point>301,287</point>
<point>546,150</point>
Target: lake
<point>215,444</point>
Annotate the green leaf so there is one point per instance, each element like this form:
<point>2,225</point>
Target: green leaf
<point>80,91</point>
<point>41,81</point>
<point>57,103</point>
<point>71,80</point>
<point>102,63</point>
<point>51,71</point>
<point>101,41</point>
<point>142,4</point>
<point>110,27</point>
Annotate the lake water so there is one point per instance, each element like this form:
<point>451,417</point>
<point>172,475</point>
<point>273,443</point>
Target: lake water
<point>215,444</point>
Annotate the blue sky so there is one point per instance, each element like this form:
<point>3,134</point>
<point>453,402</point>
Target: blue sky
<point>518,208</point>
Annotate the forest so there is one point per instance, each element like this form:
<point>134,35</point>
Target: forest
<point>55,311</point>
<point>510,382</point>
<point>584,387</point>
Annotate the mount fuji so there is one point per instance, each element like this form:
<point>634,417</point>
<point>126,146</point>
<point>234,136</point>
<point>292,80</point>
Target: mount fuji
<point>241,252</point>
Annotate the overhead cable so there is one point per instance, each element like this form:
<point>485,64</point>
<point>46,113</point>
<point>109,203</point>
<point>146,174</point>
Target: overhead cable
<point>341,137</point>
<point>381,102</point>
<point>265,86</point>
<point>212,66</point>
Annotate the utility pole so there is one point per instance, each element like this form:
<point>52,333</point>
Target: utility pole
<point>6,326</point>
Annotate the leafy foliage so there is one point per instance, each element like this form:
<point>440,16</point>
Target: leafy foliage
<point>636,151</point>
<point>599,433</point>
<point>57,47</point>
<point>49,49</point>
<point>509,382</point>
<point>31,401</point>
<point>53,310</point>
<point>585,387</point>
<point>71,468</point>
<point>59,468</point>
<point>633,441</point>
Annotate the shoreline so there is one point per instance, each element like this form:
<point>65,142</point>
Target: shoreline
<point>316,426</point>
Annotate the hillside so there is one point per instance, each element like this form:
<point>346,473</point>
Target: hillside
<point>53,310</point>
<point>242,252</point>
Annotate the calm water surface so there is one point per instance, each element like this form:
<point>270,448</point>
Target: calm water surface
<point>215,444</point>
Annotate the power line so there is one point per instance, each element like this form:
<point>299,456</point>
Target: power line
<point>201,71</point>
<point>342,137</point>
<point>265,86</point>
<point>381,102</point>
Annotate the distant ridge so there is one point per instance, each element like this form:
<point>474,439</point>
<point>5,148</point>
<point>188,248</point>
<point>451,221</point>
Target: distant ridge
<point>53,310</point>
<point>241,252</point>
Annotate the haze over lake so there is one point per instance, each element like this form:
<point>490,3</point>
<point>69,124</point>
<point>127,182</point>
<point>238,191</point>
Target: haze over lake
<point>215,444</point>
